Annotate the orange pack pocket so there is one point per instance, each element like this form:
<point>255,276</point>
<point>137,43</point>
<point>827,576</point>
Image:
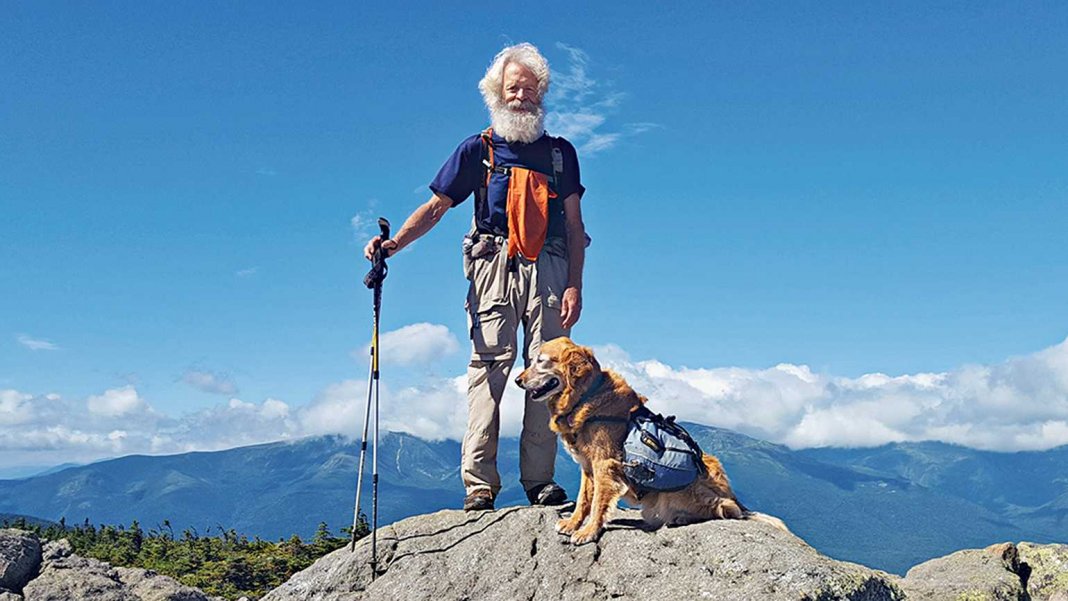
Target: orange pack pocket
<point>528,211</point>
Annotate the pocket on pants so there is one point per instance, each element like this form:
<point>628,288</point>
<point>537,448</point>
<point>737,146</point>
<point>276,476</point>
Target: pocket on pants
<point>489,334</point>
<point>552,273</point>
<point>469,265</point>
<point>491,330</point>
<point>489,280</point>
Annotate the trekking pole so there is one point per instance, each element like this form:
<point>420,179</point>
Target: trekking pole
<point>372,280</point>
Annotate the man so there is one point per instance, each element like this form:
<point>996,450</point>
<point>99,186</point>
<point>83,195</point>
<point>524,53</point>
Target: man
<point>524,260</point>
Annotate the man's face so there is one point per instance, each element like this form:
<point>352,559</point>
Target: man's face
<point>520,87</point>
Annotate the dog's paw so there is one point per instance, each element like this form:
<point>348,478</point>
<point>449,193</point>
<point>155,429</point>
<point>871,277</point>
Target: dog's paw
<point>586,535</point>
<point>565,527</point>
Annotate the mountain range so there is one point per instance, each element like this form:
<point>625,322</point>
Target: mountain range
<point>887,507</point>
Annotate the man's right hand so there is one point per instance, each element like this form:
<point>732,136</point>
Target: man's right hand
<point>390,246</point>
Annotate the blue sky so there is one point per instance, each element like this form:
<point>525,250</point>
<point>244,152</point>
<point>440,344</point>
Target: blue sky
<point>851,188</point>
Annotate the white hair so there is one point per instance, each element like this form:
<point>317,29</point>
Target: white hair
<point>525,54</point>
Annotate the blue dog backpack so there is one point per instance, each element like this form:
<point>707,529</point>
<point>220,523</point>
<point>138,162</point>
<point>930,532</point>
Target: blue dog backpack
<point>660,455</point>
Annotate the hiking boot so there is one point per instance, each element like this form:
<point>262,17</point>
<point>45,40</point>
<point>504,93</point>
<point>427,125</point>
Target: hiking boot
<point>547,494</point>
<point>479,500</point>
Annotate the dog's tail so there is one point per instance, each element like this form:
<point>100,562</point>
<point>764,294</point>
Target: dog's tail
<point>771,520</point>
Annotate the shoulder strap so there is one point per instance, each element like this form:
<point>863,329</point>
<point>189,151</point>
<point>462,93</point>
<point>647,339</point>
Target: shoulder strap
<point>486,164</point>
<point>486,161</point>
<point>558,162</point>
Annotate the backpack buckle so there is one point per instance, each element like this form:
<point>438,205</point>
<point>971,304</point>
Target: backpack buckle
<point>650,441</point>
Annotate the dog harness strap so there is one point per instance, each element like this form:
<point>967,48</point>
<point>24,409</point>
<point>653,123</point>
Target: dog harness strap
<point>639,411</point>
<point>612,419</point>
<point>585,398</point>
<point>592,390</point>
<point>615,419</point>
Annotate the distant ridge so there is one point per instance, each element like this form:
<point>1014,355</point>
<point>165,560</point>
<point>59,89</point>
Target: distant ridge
<point>890,507</point>
<point>7,519</point>
<point>28,471</point>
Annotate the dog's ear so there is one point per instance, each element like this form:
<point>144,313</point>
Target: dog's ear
<point>579,365</point>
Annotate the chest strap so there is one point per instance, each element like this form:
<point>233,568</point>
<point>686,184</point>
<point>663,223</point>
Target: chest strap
<point>585,398</point>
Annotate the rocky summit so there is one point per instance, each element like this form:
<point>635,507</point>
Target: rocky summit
<point>514,553</point>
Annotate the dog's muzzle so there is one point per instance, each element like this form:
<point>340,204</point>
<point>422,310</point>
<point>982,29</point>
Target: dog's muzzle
<point>539,392</point>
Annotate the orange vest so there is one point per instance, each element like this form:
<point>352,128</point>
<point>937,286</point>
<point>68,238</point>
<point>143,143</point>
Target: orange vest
<point>527,205</point>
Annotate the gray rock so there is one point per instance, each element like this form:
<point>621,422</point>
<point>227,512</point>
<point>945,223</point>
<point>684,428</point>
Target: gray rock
<point>514,553</point>
<point>990,574</point>
<point>75,577</point>
<point>56,549</point>
<point>6,596</point>
<point>1048,579</point>
<point>65,577</point>
<point>20,557</point>
<point>147,585</point>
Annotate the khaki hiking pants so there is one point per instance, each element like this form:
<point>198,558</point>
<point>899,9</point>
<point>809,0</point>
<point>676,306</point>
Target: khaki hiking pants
<point>500,299</point>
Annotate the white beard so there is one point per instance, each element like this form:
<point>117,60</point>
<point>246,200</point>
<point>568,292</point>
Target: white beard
<point>518,121</point>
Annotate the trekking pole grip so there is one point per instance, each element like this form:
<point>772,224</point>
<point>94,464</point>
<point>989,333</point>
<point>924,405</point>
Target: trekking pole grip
<point>378,262</point>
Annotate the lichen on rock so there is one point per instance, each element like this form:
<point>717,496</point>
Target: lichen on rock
<point>1048,577</point>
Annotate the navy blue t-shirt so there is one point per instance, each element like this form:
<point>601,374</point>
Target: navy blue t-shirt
<point>462,174</point>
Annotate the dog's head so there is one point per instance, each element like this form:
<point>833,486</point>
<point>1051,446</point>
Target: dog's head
<point>560,374</point>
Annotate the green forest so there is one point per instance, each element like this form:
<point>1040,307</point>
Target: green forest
<point>219,562</point>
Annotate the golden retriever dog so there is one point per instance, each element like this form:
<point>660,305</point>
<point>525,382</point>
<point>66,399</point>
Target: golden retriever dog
<point>561,375</point>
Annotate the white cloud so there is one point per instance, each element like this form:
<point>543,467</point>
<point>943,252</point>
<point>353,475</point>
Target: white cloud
<point>339,408</point>
<point>361,226</point>
<point>573,83</point>
<point>598,142</point>
<point>209,381</point>
<point>574,125</point>
<point>273,408</point>
<point>1018,404</point>
<point>438,410</point>
<point>364,224</point>
<point>434,410</point>
<point>415,344</point>
<point>240,405</point>
<point>581,105</point>
<point>36,344</point>
<point>47,428</point>
<point>116,402</point>
<point>235,423</point>
<point>248,272</point>
<point>15,407</point>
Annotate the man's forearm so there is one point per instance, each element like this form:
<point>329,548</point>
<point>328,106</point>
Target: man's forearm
<point>576,241</point>
<point>422,220</point>
<point>576,255</point>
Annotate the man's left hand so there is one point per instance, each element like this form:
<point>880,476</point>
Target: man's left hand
<point>570,307</point>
